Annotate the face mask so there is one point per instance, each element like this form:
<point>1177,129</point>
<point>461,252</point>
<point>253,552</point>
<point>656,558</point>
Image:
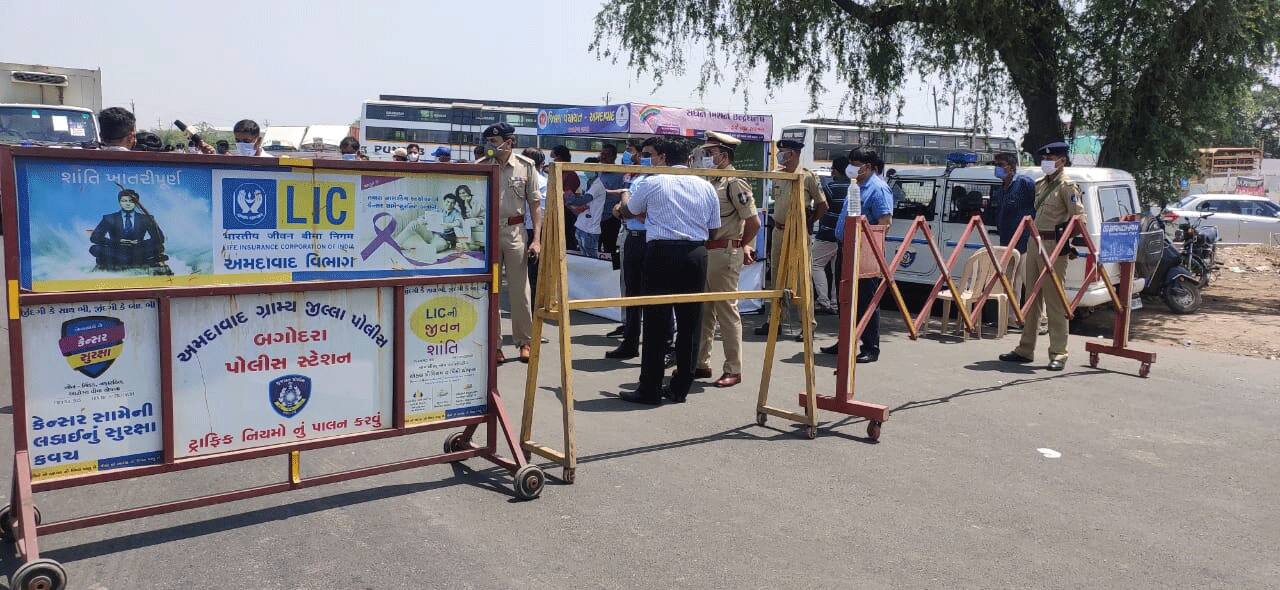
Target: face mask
<point>708,162</point>
<point>626,158</point>
<point>492,150</point>
<point>851,171</point>
<point>246,148</point>
<point>413,157</point>
<point>1049,166</point>
<point>646,161</point>
<point>1000,173</point>
<point>348,156</point>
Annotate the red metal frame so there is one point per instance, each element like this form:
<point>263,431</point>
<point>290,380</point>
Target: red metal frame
<point>25,527</point>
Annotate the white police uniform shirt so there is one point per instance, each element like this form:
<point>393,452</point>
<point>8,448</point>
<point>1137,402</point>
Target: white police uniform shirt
<point>676,207</point>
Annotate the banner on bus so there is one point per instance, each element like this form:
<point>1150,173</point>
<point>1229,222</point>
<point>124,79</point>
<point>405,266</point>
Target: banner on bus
<point>93,225</point>
<point>650,119</point>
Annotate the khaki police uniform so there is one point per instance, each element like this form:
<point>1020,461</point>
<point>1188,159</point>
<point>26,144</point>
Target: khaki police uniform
<point>781,209</point>
<point>517,190</point>
<point>724,264</point>
<point>1058,199</point>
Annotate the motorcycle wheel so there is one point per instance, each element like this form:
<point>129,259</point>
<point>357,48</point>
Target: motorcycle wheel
<point>1183,297</point>
<point>1203,272</point>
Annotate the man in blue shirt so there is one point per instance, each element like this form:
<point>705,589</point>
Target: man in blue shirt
<point>680,212</point>
<point>876,200</point>
<point>1015,198</point>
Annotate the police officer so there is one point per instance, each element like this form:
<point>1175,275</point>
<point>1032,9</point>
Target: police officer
<point>815,204</point>
<point>1057,200</point>
<point>517,192</point>
<point>730,247</point>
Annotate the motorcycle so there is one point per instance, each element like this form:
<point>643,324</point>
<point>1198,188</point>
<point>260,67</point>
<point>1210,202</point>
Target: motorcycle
<point>1161,263</point>
<point>1199,248</point>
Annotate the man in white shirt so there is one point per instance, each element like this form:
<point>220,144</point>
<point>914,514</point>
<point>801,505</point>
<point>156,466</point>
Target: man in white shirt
<point>249,139</point>
<point>680,211</point>
<point>587,226</point>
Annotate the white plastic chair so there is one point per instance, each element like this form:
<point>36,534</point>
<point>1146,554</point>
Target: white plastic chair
<point>978,269</point>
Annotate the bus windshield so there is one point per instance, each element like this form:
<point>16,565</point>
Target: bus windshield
<point>45,125</point>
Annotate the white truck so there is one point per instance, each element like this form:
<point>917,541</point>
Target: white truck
<point>48,106</point>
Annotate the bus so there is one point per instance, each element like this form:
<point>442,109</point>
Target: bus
<point>396,121</point>
<point>898,144</point>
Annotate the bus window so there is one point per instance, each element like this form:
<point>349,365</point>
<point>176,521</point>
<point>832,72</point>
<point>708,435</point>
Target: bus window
<point>796,134</point>
<point>966,199</point>
<point>912,198</point>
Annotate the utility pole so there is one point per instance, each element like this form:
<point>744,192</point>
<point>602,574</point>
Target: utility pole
<point>936,122</point>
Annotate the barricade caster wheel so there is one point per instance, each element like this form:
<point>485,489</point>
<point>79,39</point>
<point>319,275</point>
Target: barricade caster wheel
<point>761,418</point>
<point>529,482</point>
<point>873,430</point>
<point>569,474</point>
<point>1143,371</point>
<point>1093,360</point>
<point>41,574</point>
<point>811,432</point>
<point>454,443</point>
<point>8,522</point>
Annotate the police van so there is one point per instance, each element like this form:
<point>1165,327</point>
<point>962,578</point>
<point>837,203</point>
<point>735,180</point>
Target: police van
<point>947,199</point>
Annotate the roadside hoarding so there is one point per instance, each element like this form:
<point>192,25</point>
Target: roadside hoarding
<point>650,119</point>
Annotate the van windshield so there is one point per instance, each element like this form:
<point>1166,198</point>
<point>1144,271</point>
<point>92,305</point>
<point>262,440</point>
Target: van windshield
<point>45,126</point>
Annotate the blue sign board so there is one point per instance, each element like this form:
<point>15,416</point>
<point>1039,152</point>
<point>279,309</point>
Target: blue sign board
<point>1119,241</point>
<point>585,120</point>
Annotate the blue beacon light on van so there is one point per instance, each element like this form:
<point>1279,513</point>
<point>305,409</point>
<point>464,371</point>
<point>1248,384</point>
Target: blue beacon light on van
<point>962,158</point>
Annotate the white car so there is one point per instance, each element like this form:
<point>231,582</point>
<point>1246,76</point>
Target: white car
<point>1240,219</point>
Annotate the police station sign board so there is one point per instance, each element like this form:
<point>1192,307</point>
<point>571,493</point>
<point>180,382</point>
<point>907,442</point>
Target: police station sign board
<point>259,370</point>
<point>92,386</point>
<point>92,224</point>
<point>446,344</point>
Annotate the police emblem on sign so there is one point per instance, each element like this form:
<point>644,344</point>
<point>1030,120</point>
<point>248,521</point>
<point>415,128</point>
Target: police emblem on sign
<point>91,344</point>
<point>289,394</point>
<point>907,259</point>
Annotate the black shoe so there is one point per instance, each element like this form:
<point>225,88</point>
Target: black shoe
<point>833,349</point>
<point>622,353</point>
<point>762,329</point>
<point>617,332</point>
<point>1013,357</point>
<point>820,310</point>
<point>669,359</point>
<point>867,357</point>
<point>670,395</point>
<point>799,337</point>
<point>1057,364</point>
<point>636,397</point>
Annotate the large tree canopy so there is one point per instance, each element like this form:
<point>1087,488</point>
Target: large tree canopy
<point>1157,78</point>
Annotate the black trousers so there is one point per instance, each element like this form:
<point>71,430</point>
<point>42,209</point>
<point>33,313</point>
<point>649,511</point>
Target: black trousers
<point>672,266</point>
<point>633,250</point>
<point>870,336</point>
<point>532,263</point>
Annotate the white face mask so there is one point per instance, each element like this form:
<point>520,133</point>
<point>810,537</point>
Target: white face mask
<point>708,162</point>
<point>413,157</point>
<point>244,148</point>
<point>348,156</point>
<point>851,171</point>
<point>1048,166</point>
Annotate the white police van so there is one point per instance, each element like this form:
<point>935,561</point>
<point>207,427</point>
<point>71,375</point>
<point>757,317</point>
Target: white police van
<point>947,200</point>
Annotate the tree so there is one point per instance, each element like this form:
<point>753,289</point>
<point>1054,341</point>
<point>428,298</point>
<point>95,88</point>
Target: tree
<point>1155,77</point>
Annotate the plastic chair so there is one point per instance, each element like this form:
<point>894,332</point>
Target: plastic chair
<point>978,269</point>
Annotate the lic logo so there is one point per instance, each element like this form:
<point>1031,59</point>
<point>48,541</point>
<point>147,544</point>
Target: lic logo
<point>248,203</point>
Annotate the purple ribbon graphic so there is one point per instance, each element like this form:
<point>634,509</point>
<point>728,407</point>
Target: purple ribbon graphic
<point>385,235</point>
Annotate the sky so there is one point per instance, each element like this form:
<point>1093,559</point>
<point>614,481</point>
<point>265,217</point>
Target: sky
<point>287,62</point>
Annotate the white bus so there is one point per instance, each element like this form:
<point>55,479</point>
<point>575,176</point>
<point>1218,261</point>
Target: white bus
<point>389,124</point>
<point>897,144</point>
<point>933,193</point>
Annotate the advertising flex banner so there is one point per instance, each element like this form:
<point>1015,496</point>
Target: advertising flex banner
<point>92,386</point>
<point>266,369</point>
<point>91,225</point>
<point>446,367</point>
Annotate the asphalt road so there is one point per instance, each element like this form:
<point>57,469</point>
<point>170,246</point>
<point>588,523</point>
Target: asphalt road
<point>1163,482</point>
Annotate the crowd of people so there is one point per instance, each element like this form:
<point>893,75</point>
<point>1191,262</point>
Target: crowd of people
<point>676,233</point>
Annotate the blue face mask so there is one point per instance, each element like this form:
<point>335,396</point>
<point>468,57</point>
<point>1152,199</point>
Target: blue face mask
<point>626,158</point>
<point>1000,173</point>
<point>646,161</point>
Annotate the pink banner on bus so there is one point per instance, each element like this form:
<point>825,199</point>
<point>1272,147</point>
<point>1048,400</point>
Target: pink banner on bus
<point>660,120</point>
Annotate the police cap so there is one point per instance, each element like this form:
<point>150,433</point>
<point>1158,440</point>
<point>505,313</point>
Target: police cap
<point>790,144</point>
<point>503,129</point>
<point>715,139</point>
<point>1057,148</point>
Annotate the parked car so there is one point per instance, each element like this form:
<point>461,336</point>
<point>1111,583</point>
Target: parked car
<point>1240,219</point>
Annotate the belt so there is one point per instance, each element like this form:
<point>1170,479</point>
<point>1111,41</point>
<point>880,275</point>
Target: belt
<point>718,244</point>
<point>1048,235</point>
<point>636,233</point>
<point>515,220</point>
<point>677,242</point>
